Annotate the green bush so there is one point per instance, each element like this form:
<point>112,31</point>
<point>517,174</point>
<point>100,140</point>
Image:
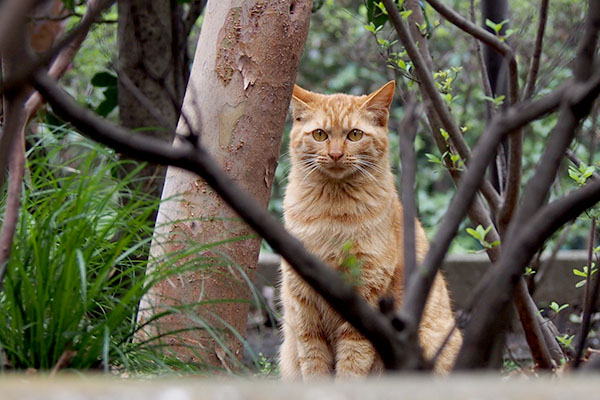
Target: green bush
<point>77,269</point>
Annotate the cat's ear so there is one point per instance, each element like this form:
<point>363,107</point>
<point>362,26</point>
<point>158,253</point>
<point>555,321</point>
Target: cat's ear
<point>301,100</point>
<point>379,102</point>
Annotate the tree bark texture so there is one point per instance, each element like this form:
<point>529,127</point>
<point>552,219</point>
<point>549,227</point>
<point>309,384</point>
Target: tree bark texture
<point>238,96</point>
<point>151,55</point>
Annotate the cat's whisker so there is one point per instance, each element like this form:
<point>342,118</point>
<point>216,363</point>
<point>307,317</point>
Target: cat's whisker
<point>365,173</point>
<point>309,172</point>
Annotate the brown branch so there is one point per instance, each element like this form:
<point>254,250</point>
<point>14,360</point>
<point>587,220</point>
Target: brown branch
<point>189,20</point>
<point>426,81</point>
<point>537,51</point>
<point>528,312</point>
<point>16,165</point>
<point>532,227</point>
<point>563,133</point>
<point>326,281</point>
<point>587,298</point>
<point>485,79</point>
<point>407,133</point>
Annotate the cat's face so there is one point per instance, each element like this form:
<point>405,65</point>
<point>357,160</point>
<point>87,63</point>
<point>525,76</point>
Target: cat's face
<point>340,135</point>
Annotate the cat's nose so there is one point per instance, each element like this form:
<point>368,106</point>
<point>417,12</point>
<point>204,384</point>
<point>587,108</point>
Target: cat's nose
<point>335,155</point>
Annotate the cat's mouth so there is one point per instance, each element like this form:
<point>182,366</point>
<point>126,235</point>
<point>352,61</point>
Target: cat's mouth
<point>336,170</point>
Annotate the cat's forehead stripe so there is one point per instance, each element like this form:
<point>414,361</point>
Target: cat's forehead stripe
<point>339,110</point>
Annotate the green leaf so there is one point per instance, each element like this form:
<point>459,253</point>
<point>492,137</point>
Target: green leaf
<point>557,308</point>
<point>69,4</point>
<point>577,272</point>
<point>405,14</point>
<point>104,79</point>
<point>375,15</point>
<point>110,102</point>
<point>474,233</point>
<point>444,133</point>
<point>433,159</point>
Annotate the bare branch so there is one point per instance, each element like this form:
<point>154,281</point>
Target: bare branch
<point>16,165</point>
<point>192,15</point>
<point>407,133</point>
<point>533,227</point>
<point>587,298</point>
<point>528,312</point>
<point>485,79</point>
<point>537,51</point>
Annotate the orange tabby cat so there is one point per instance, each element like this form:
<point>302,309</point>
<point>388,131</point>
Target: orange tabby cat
<point>341,189</point>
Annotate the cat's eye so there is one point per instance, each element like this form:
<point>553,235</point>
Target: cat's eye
<point>319,135</point>
<point>355,135</point>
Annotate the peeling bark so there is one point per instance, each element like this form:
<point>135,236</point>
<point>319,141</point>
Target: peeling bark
<point>238,95</point>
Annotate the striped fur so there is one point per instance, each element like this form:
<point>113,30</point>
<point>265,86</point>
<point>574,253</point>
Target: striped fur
<point>329,203</point>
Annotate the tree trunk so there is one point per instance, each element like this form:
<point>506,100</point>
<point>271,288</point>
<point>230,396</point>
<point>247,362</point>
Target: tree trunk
<point>238,96</point>
<point>151,56</point>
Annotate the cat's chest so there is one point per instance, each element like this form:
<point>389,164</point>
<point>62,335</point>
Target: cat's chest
<point>327,232</point>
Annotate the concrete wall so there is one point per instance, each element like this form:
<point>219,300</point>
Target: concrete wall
<point>463,271</point>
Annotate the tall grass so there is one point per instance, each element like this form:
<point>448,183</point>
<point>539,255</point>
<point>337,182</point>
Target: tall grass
<point>77,270</point>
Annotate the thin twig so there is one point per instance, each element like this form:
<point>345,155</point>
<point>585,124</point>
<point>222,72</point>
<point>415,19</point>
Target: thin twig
<point>189,20</point>
<point>63,361</point>
<point>537,51</point>
<point>485,79</point>
<point>587,298</point>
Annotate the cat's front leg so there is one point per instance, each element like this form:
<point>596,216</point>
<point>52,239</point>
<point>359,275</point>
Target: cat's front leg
<point>315,356</point>
<point>354,355</point>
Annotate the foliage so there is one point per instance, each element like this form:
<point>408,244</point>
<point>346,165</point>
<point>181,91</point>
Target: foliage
<point>77,269</point>
<point>74,279</point>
